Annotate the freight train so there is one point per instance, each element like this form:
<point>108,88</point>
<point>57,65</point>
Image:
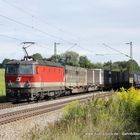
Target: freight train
<point>35,80</point>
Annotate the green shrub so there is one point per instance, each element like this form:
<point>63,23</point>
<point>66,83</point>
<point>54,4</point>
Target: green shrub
<point>99,119</point>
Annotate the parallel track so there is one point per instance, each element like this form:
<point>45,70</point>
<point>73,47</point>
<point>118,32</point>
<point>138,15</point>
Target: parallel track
<point>11,105</point>
<point>26,113</point>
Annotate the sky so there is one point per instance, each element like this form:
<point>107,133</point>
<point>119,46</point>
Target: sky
<point>77,25</point>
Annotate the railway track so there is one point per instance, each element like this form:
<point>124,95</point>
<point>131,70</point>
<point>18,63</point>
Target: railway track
<point>5,105</point>
<point>11,105</point>
<point>30,112</point>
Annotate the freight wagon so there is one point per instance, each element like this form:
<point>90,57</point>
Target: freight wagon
<point>75,79</point>
<point>137,80</point>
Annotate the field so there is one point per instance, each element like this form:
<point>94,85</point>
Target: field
<point>117,118</point>
<point>2,82</point>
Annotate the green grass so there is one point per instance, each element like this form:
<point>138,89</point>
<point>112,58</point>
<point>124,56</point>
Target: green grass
<point>98,119</point>
<point>2,82</point>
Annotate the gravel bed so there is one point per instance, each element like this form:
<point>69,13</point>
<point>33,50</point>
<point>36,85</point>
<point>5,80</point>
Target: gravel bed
<point>18,108</point>
<point>21,130</point>
<point>18,130</point>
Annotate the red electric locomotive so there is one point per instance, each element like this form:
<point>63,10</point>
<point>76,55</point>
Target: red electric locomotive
<point>32,80</point>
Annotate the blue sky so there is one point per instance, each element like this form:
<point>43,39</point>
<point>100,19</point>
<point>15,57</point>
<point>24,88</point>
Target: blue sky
<point>89,23</point>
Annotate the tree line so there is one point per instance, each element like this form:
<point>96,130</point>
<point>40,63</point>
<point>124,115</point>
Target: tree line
<point>74,59</point>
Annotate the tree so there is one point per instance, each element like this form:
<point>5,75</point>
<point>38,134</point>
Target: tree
<point>115,67</point>
<point>122,65</point>
<point>132,66</point>
<point>70,58</point>
<point>108,65</point>
<point>5,61</point>
<point>97,65</point>
<point>84,62</point>
<point>55,58</point>
<point>37,56</point>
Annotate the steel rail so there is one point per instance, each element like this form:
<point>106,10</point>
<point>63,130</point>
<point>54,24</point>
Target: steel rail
<point>11,105</point>
<point>27,113</point>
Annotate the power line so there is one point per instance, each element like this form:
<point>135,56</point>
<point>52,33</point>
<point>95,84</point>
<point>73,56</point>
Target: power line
<point>116,50</point>
<point>33,16</point>
<point>76,45</point>
<point>34,28</point>
<point>20,9</point>
<point>108,54</point>
<point>42,45</point>
<point>39,44</point>
<point>37,29</point>
<point>85,49</point>
<point>71,47</point>
<point>6,36</point>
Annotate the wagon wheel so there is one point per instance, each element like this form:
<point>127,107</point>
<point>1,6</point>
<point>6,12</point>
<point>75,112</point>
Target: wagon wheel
<point>38,97</point>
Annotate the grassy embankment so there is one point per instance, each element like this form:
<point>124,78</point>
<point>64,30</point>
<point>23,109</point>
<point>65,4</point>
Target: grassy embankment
<point>2,85</point>
<point>115,118</point>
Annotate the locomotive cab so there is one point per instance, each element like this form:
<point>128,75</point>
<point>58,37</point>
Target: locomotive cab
<point>18,78</point>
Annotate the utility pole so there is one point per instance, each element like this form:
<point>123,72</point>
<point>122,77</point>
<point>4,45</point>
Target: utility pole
<point>55,49</point>
<point>131,79</point>
<point>131,49</point>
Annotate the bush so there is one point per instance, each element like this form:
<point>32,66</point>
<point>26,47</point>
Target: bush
<point>73,110</point>
<point>114,118</point>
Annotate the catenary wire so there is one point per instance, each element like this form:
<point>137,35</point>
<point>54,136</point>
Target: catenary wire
<point>34,28</point>
<point>35,17</point>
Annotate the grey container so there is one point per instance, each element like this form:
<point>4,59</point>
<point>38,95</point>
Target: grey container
<point>82,76</point>
<point>75,76</point>
<point>99,76</point>
<point>90,77</point>
<point>70,76</point>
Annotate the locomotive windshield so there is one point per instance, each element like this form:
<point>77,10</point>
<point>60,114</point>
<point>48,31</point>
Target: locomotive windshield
<point>19,69</point>
<point>12,69</point>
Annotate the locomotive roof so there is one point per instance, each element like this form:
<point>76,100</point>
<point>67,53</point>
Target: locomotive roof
<point>40,62</point>
<point>49,63</point>
<point>22,62</point>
